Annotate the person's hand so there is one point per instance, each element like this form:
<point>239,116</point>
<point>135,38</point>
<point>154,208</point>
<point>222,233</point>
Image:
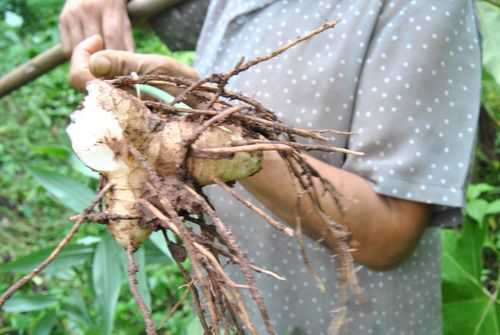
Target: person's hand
<point>90,61</point>
<point>80,19</point>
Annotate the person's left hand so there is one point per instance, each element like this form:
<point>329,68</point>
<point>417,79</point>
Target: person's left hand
<point>90,61</point>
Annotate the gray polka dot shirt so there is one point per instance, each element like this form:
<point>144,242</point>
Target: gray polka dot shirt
<point>405,77</point>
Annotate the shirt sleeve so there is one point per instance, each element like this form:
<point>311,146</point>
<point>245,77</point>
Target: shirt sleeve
<point>180,26</point>
<point>418,99</point>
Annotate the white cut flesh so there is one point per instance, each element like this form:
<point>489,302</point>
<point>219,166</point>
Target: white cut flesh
<point>90,129</point>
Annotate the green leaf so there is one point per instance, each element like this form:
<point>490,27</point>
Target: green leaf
<point>493,208</point>
<point>473,317</point>
<point>467,307</point>
<point>45,325</point>
<point>77,312</point>
<point>159,241</point>
<point>77,164</point>
<point>477,209</point>
<point>51,150</point>
<point>107,277</point>
<point>489,19</point>
<point>69,192</point>
<point>24,303</point>
<point>194,327</point>
<point>71,255</point>
<point>142,279</point>
<point>475,190</point>
<point>462,262</point>
<point>489,95</point>
<point>154,255</point>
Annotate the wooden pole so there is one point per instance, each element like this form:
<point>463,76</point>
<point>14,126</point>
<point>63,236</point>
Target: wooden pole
<point>50,59</point>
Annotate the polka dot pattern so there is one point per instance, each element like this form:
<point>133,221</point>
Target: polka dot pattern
<point>404,76</point>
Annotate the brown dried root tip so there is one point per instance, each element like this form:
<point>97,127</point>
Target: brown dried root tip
<point>276,224</point>
<point>178,304</point>
<point>132,281</point>
<point>309,147</point>
<point>174,223</point>
<point>215,283</point>
<point>225,286</point>
<point>224,152</point>
<point>226,254</point>
<point>248,119</point>
<point>339,319</point>
<point>302,247</point>
<point>57,250</point>
<point>167,224</point>
<point>103,217</point>
<point>182,96</point>
<point>228,238</point>
<point>222,79</point>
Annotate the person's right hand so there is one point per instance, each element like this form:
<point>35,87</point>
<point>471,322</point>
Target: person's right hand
<point>90,61</point>
<point>80,19</point>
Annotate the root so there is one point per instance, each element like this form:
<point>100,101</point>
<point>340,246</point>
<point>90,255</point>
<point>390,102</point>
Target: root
<point>276,224</point>
<point>103,217</point>
<point>241,258</point>
<point>203,260</point>
<point>176,306</point>
<point>57,250</point>
<point>206,244</point>
<point>132,281</point>
<point>194,291</point>
<point>302,247</point>
<point>222,79</point>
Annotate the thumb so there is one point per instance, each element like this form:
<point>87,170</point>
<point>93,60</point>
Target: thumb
<point>112,63</point>
<point>79,72</point>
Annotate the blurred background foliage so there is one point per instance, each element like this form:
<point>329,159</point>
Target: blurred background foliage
<point>84,291</point>
<point>42,183</point>
<point>470,265</point>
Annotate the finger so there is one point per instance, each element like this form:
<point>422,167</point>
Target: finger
<point>112,30</point>
<point>79,72</point>
<point>111,63</point>
<point>65,37</point>
<point>91,26</point>
<point>75,33</point>
<point>127,34</point>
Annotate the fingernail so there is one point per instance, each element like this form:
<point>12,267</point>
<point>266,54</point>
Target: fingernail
<point>100,66</point>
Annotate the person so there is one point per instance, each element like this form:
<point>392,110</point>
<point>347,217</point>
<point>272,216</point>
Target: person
<point>404,77</point>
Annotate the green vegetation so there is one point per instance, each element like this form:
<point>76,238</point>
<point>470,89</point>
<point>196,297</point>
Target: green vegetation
<point>42,184</point>
<point>471,256</point>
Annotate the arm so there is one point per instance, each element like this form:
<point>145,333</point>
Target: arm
<point>384,229</point>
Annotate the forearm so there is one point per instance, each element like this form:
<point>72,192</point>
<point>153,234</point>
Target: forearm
<point>384,230</point>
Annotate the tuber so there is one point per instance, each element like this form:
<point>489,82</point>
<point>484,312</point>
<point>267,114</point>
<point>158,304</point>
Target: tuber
<point>111,120</point>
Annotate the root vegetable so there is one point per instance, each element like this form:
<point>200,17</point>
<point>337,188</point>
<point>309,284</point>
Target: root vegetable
<point>111,121</point>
